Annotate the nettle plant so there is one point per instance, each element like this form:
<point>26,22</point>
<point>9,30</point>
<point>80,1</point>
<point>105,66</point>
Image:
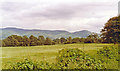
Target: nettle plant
<point>30,65</point>
<point>110,52</point>
<point>26,65</point>
<point>77,59</point>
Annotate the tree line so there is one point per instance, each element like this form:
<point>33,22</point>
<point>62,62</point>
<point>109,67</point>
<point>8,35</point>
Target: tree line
<point>109,34</point>
<point>15,40</point>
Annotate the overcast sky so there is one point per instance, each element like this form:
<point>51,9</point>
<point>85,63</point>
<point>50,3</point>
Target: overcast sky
<point>69,15</point>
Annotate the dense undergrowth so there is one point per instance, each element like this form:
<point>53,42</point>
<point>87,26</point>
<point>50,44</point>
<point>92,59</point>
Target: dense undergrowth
<point>109,56</point>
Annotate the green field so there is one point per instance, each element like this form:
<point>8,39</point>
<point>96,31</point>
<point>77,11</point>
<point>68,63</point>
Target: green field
<point>11,55</point>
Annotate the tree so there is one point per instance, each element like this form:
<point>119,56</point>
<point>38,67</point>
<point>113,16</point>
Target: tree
<point>5,42</point>
<point>92,38</point>
<point>76,40</point>
<point>10,41</point>
<point>41,39</point>
<point>48,41</point>
<point>111,31</point>
<point>19,39</point>
<point>57,41</point>
<point>26,41</point>
<point>69,40</point>
<point>33,40</point>
<point>82,40</point>
<point>62,40</point>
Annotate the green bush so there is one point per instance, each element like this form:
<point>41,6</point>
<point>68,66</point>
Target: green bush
<point>26,65</point>
<point>77,59</point>
<point>109,56</point>
<point>110,52</point>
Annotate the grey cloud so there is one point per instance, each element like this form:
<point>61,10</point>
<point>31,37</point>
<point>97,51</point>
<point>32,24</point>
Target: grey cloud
<point>68,11</point>
<point>14,6</point>
<point>53,12</point>
<point>59,15</point>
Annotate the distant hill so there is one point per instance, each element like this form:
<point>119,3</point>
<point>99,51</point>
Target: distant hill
<point>47,33</point>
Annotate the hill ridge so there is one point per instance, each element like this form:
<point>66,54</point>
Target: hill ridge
<point>47,33</point>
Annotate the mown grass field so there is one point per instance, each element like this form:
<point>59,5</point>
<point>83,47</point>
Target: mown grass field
<point>11,55</point>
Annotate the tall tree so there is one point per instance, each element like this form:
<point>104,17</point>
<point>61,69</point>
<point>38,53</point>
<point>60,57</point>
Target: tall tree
<point>70,40</point>
<point>76,40</point>
<point>62,40</point>
<point>82,40</point>
<point>26,41</point>
<point>41,39</point>
<point>111,31</point>
<point>57,41</point>
<point>10,41</point>
<point>19,39</point>
<point>33,40</point>
<point>92,38</point>
<point>48,41</point>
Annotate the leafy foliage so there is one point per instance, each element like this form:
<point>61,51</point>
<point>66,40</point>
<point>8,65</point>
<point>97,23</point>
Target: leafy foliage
<point>76,40</point>
<point>15,40</point>
<point>48,41</point>
<point>62,40</point>
<point>42,39</point>
<point>10,41</point>
<point>109,55</point>
<point>25,65</point>
<point>92,38</point>
<point>26,41</point>
<point>109,52</point>
<point>111,30</point>
<point>77,59</point>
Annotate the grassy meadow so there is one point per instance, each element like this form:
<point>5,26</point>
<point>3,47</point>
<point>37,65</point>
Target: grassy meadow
<point>47,53</point>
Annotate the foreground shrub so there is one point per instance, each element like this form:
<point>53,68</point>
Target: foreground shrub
<point>110,52</point>
<point>109,56</point>
<point>77,59</point>
<point>26,65</point>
